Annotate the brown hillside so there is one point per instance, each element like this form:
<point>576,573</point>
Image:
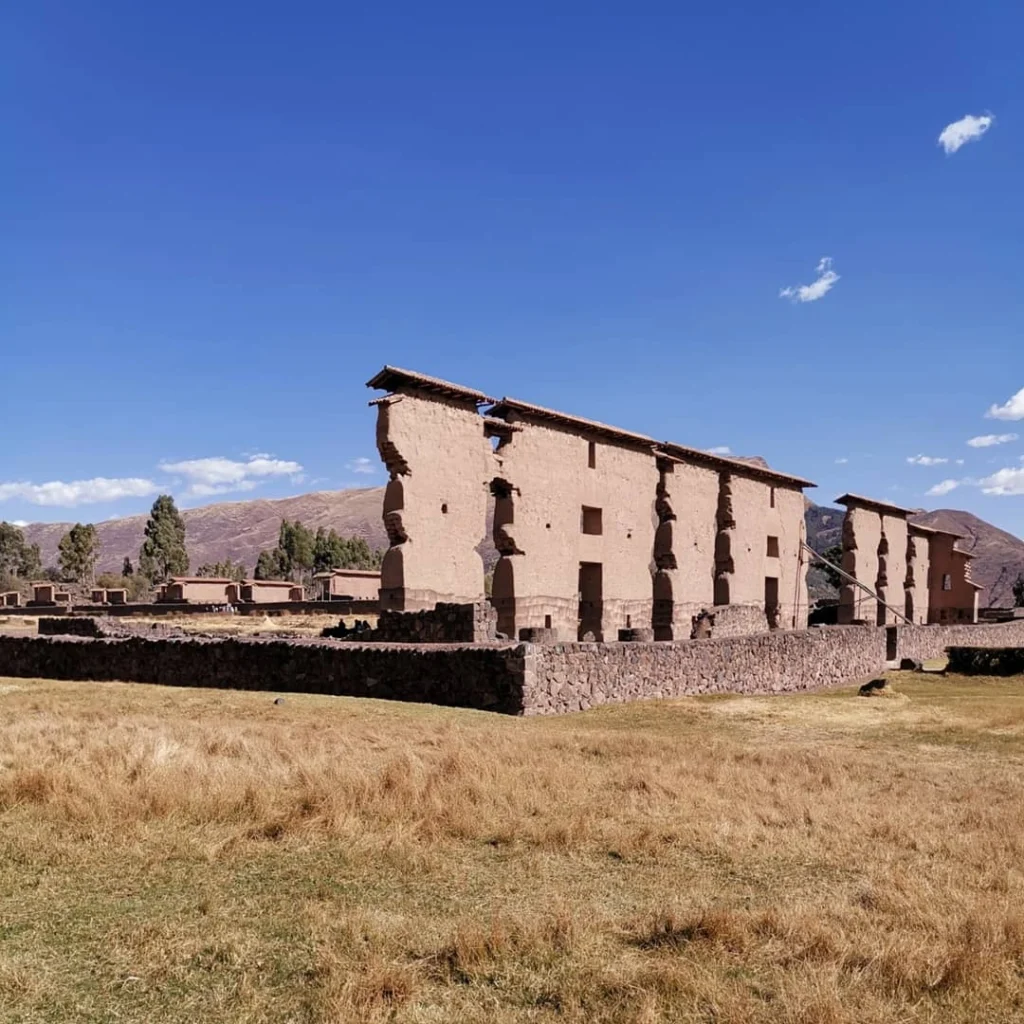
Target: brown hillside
<point>236,530</point>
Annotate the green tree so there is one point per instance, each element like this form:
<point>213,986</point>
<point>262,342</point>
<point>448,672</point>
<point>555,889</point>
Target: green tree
<point>333,552</point>
<point>297,544</point>
<point>126,567</point>
<point>1018,591</point>
<point>77,552</point>
<point>270,566</point>
<point>223,570</point>
<point>163,551</point>
<point>17,559</point>
<point>835,555</point>
<point>136,585</point>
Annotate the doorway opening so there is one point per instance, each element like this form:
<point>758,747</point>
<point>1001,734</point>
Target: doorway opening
<point>591,599</point>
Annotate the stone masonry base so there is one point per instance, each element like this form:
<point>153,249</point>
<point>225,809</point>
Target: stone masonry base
<point>523,678</point>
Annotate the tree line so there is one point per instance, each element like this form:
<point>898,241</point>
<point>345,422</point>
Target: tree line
<point>298,555</point>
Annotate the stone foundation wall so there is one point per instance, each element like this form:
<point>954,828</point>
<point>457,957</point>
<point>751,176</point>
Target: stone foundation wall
<point>100,628</point>
<point>728,620</point>
<point>574,677</point>
<point>68,626</point>
<point>444,624</point>
<point>524,678</point>
<point>489,677</point>
<point>923,642</point>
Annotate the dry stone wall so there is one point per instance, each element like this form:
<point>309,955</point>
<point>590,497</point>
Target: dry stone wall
<point>923,642</point>
<point>444,624</point>
<point>489,677</point>
<point>524,678</point>
<point>574,677</point>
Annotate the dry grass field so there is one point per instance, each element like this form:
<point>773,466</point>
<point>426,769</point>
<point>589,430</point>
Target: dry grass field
<point>253,625</point>
<point>189,855</point>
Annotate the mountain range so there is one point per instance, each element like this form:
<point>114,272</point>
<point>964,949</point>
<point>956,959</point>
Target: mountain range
<point>239,530</point>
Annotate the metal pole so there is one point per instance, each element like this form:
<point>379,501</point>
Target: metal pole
<point>854,581</point>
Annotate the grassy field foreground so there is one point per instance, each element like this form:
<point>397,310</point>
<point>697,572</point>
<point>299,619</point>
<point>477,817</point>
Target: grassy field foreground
<point>189,855</point>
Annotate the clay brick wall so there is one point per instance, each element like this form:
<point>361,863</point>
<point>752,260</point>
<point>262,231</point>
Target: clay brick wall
<point>958,603</point>
<point>684,552</point>
<point>894,564</point>
<point>862,531</point>
<point>435,505</point>
<point>918,574</point>
<point>548,467</point>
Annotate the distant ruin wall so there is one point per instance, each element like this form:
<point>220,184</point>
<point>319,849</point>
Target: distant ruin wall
<point>506,677</point>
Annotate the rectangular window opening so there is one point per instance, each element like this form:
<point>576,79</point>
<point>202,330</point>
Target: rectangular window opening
<point>771,497</point>
<point>590,521</point>
<point>592,454</point>
<point>773,547</point>
<point>947,581</point>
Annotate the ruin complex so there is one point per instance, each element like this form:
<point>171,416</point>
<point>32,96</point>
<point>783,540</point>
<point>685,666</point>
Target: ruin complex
<point>916,573</point>
<point>600,532</point>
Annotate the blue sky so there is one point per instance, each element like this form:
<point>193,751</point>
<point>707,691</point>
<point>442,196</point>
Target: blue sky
<point>220,219</point>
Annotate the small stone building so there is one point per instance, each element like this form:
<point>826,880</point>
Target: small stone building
<point>597,529</point>
<point>195,590</point>
<point>347,584</point>
<point>268,592</point>
<point>48,594</point>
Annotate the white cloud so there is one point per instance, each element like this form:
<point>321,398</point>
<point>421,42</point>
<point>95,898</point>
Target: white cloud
<point>926,460</point>
<point>361,465</point>
<point>78,492</point>
<point>19,523</point>
<point>988,440</point>
<point>722,449</point>
<point>943,487</point>
<point>1003,481</point>
<point>812,292</point>
<point>959,462</point>
<point>218,475</point>
<point>967,129</point>
<point>1012,409</point>
<point>843,461</point>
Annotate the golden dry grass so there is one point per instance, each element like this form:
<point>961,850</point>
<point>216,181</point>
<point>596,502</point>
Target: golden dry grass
<point>251,625</point>
<point>188,855</point>
<point>18,625</point>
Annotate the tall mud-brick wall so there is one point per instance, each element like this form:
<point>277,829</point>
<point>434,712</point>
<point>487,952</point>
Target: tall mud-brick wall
<point>575,522</point>
<point>862,534</point>
<point>892,570</point>
<point>915,588</point>
<point>435,504</point>
<point>684,546</point>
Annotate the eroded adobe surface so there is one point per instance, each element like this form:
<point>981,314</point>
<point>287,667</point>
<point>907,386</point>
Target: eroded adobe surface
<point>596,529</point>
